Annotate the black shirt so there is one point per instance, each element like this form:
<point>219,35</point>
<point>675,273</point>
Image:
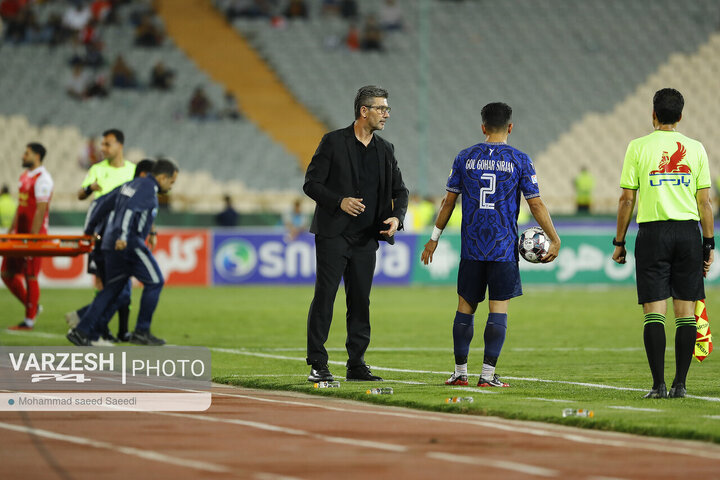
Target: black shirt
<point>364,227</point>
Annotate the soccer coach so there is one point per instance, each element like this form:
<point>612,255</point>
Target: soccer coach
<point>669,173</point>
<point>360,199</point>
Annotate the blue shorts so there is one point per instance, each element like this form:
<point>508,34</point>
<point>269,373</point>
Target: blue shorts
<point>501,279</point>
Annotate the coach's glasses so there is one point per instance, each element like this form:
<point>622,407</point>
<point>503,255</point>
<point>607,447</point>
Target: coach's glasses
<point>380,108</point>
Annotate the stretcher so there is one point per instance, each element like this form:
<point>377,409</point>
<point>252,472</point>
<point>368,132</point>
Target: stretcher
<point>26,245</point>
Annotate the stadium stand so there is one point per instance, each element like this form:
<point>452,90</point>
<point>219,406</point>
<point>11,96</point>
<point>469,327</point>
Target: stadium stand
<point>234,157</point>
<point>520,52</point>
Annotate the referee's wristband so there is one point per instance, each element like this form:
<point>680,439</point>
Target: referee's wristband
<point>436,234</point>
<point>618,244</point>
<point>709,243</point>
<point>88,190</point>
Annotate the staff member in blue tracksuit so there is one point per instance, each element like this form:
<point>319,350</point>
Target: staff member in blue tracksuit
<point>126,254</point>
<point>95,221</point>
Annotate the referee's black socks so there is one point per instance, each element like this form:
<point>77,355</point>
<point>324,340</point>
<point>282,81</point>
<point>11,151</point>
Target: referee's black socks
<point>685,333</point>
<point>654,338</point>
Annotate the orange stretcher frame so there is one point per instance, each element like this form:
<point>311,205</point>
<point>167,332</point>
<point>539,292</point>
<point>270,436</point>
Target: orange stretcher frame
<point>26,245</point>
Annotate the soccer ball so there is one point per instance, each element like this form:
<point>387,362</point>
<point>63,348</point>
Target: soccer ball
<point>533,244</point>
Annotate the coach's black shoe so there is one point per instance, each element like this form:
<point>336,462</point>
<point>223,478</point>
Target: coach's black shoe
<point>659,392</point>
<point>123,336</point>
<point>78,338</point>
<point>361,373</point>
<point>319,372</point>
<point>677,391</point>
<point>145,338</point>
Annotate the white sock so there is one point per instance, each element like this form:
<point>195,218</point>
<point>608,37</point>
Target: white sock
<point>461,369</point>
<point>487,371</point>
<point>30,322</point>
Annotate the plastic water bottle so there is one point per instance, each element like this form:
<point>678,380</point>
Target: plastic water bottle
<point>380,391</point>
<point>459,400</point>
<point>577,412</point>
<point>327,385</point>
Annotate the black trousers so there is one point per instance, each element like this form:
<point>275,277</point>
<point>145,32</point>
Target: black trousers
<point>355,263</point>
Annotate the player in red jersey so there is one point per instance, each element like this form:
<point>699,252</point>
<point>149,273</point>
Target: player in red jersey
<point>31,216</point>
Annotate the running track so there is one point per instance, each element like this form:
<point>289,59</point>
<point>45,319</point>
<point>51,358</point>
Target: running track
<point>279,435</point>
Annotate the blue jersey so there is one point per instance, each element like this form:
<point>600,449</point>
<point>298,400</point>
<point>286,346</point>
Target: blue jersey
<point>99,211</point>
<point>135,209</point>
<point>490,178</point>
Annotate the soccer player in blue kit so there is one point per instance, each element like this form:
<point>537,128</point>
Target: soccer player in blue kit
<point>491,176</point>
<point>126,254</point>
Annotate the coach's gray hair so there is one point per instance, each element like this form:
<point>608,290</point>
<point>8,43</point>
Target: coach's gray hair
<point>366,94</point>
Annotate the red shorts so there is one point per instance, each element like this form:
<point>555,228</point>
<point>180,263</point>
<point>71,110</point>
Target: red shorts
<point>29,266</point>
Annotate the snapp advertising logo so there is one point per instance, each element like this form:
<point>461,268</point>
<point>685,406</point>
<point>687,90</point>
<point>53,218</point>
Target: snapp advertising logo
<point>116,379</point>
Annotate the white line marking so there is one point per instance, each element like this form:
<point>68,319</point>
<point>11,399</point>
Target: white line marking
<point>355,442</point>
<point>712,417</point>
<point>609,439</point>
<point>635,409</point>
<point>489,462</point>
<point>401,370</point>
<point>33,334</point>
<point>473,389</point>
<point>555,400</point>
<point>136,452</point>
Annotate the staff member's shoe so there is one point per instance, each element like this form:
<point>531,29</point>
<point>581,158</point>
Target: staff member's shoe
<point>677,391</point>
<point>78,338</point>
<point>361,373</point>
<point>319,372</point>
<point>659,392</point>
<point>145,338</point>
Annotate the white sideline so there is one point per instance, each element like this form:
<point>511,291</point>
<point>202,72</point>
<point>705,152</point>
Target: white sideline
<point>404,370</point>
<point>636,409</point>
<point>135,452</point>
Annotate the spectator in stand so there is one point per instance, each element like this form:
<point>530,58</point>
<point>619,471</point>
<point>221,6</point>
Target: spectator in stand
<point>372,35</point>
<point>352,40</point>
<point>77,84</point>
<point>76,16</point>
<point>90,34</point>
<point>331,8</point>
<point>122,75</point>
<point>55,31</point>
<point>200,107</point>
<point>349,9</point>
<point>90,154</point>
<point>230,110</point>
<point>251,9</point>
<point>229,216</point>
<point>98,87</point>
<point>296,9</point>
<point>161,78</point>
<point>391,16</point>
<point>101,10</point>
<point>148,34</point>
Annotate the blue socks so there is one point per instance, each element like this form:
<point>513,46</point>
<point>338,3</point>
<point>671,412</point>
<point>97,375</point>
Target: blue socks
<point>463,331</point>
<point>494,336</point>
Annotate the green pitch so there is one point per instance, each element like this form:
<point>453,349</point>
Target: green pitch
<point>565,348</point>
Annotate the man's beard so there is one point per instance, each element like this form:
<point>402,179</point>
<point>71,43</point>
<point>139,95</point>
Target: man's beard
<point>27,164</point>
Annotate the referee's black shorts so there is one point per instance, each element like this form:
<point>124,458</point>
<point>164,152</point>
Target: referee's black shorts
<point>669,261</point>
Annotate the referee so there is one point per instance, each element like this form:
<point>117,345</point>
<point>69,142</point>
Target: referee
<point>670,173</point>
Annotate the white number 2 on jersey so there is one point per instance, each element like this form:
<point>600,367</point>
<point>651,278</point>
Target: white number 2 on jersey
<point>489,190</point>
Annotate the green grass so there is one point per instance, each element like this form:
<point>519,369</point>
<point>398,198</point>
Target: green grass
<point>573,335</point>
